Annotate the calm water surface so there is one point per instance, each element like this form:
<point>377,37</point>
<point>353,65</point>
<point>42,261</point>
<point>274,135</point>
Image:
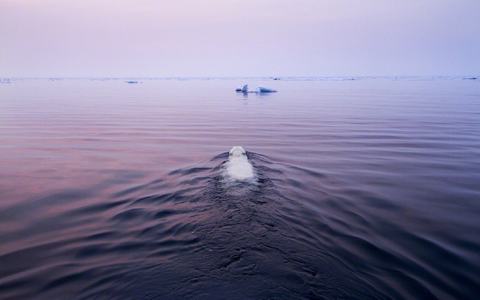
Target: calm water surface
<point>366,189</point>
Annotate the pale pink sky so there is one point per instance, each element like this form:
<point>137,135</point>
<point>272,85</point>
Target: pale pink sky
<point>239,37</point>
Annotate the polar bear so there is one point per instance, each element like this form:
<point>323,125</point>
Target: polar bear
<point>238,167</point>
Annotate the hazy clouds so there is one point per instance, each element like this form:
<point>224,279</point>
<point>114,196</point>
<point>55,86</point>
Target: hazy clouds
<point>233,37</point>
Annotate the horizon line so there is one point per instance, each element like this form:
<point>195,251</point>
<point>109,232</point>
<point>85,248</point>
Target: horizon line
<point>235,76</point>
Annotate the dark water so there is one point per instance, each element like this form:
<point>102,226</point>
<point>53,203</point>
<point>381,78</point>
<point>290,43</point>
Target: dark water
<point>366,189</point>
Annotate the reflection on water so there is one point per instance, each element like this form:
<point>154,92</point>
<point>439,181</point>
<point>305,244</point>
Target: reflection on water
<point>364,189</point>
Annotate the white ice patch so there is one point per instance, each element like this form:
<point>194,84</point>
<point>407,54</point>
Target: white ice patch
<point>238,167</point>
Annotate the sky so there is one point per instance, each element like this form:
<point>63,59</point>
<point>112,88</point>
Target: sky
<point>145,38</point>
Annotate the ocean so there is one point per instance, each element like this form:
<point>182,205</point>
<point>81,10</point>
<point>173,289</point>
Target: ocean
<point>364,188</point>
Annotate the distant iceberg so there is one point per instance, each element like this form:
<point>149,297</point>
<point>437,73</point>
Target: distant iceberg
<point>259,90</point>
<point>131,82</point>
<point>243,89</point>
<point>265,90</point>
